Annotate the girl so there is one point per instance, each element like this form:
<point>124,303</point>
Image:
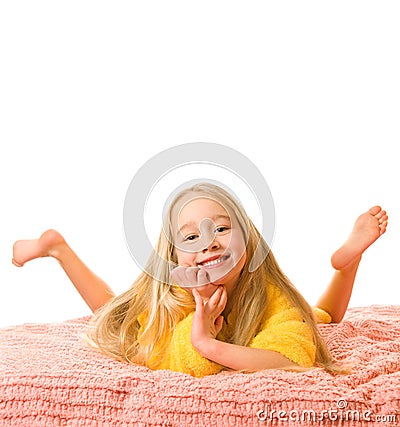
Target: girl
<point>212,295</point>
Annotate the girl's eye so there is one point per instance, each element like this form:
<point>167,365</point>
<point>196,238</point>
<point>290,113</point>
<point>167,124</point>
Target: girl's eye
<point>190,238</point>
<point>219,230</point>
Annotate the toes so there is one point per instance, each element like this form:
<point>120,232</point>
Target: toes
<point>375,210</point>
<point>382,227</point>
<point>383,218</point>
<point>382,221</point>
<point>381,215</point>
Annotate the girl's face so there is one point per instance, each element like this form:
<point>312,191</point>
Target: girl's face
<point>207,236</point>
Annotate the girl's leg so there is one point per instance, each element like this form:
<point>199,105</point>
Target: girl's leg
<point>368,227</point>
<point>93,290</point>
<point>336,297</point>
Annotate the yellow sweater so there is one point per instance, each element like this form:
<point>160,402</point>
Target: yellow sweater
<point>283,331</point>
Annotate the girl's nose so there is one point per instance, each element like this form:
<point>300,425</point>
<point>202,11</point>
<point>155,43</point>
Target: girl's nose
<point>212,246</point>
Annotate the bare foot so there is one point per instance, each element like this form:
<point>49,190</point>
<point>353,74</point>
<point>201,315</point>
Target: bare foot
<point>46,245</point>
<point>367,228</point>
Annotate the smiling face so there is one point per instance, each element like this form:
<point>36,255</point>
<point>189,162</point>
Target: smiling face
<point>209,237</point>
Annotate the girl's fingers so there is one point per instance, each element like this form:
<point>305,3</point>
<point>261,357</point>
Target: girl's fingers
<point>191,277</point>
<point>186,277</point>
<point>215,304</point>
<point>215,297</point>
<point>198,300</point>
<point>202,277</point>
<point>221,303</point>
<point>223,300</point>
<point>218,324</point>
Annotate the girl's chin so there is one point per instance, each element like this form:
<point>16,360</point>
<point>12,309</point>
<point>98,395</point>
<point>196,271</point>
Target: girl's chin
<point>207,290</point>
<point>217,275</point>
<point>227,278</point>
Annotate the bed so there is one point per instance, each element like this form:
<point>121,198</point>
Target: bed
<point>48,377</point>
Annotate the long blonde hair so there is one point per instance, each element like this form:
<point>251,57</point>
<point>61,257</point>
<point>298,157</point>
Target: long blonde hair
<point>135,326</point>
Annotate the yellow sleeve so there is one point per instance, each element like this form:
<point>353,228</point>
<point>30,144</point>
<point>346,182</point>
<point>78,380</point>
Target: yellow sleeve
<point>182,356</point>
<point>285,332</point>
<point>321,316</point>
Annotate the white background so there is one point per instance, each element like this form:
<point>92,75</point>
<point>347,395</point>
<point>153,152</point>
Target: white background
<point>90,91</point>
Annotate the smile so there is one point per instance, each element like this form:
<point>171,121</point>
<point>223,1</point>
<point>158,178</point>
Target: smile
<point>214,262</point>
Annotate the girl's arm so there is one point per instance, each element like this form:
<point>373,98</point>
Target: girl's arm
<point>243,358</point>
<point>207,322</point>
<point>93,290</point>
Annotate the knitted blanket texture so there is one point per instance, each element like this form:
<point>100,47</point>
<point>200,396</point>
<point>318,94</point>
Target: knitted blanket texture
<point>49,377</point>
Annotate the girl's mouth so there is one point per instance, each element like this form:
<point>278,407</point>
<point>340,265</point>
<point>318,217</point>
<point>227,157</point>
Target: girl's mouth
<point>213,262</point>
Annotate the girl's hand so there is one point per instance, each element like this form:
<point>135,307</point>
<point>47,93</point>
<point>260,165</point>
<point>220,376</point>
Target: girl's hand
<point>207,319</point>
<point>190,277</point>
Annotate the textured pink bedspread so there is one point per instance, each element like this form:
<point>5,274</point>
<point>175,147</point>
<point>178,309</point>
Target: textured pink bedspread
<point>48,377</point>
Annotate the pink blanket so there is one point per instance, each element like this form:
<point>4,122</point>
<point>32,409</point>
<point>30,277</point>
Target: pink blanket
<point>48,377</point>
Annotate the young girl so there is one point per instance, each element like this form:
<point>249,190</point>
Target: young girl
<point>212,295</point>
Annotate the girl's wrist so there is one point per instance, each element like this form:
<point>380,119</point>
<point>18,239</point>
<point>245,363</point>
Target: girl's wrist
<point>206,347</point>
